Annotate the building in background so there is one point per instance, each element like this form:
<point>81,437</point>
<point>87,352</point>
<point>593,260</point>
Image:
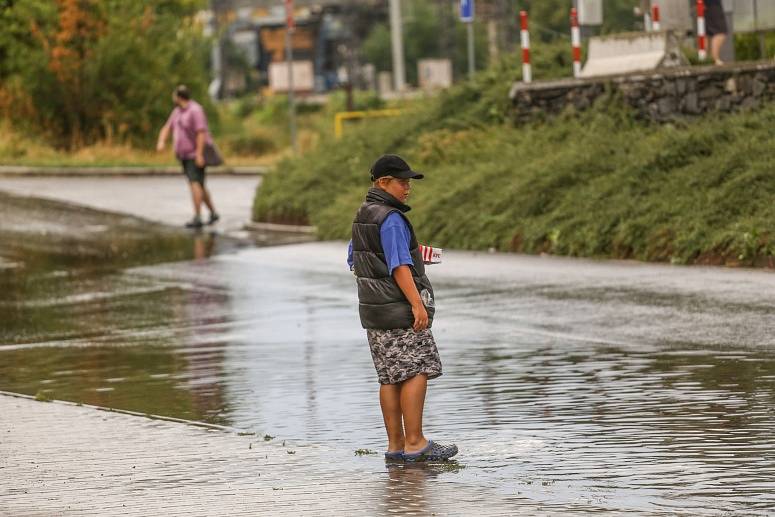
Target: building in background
<point>249,53</point>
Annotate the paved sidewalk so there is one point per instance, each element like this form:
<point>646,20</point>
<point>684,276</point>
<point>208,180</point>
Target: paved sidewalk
<point>153,170</point>
<point>62,459</point>
<point>164,199</point>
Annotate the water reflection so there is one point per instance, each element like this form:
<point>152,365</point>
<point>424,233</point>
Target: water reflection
<point>204,243</point>
<point>541,415</point>
<point>406,487</point>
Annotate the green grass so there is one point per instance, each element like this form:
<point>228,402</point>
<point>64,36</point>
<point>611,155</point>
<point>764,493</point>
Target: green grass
<point>595,184</point>
<point>249,131</point>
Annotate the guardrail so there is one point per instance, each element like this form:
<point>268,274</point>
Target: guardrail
<point>340,117</point>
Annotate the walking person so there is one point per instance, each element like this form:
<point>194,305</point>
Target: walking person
<point>716,26</point>
<point>396,307</point>
<point>190,134</point>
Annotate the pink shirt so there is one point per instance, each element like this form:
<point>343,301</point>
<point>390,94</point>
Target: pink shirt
<point>185,124</point>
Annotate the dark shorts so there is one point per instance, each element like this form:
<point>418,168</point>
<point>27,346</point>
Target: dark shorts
<point>400,354</point>
<point>715,20</point>
<point>192,172</point>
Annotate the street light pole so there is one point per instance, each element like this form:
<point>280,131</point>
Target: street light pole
<point>289,28</point>
<point>397,41</point>
<point>471,53</point>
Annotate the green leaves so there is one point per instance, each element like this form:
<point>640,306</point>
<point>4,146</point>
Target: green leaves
<point>97,71</point>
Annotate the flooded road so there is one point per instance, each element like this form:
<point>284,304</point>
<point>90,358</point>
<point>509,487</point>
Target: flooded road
<point>570,386</point>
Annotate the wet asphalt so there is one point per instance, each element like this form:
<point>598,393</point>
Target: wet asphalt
<point>574,386</point>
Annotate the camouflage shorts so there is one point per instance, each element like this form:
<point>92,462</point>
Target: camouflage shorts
<point>400,354</point>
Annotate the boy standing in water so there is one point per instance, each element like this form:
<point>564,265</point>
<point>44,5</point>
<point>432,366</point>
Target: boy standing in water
<point>396,308</point>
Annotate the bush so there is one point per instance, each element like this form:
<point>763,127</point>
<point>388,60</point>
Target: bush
<point>87,70</point>
<point>255,143</point>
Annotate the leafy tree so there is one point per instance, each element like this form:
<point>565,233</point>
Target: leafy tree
<point>431,30</point>
<point>550,17</point>
<point>79,71</point>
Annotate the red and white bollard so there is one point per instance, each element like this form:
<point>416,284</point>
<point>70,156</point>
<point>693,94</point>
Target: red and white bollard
<point>575,39</point>
<point>702,40</point>
<point>289,20</point>
<point>655,25</point>
<point>527,71</point>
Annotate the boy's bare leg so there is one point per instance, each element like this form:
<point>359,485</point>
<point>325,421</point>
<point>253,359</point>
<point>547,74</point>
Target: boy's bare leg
<point>196,196</point>
<point>412,403</point>
<point>390,401</point>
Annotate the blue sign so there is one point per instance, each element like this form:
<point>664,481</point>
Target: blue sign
<point>466,10</point>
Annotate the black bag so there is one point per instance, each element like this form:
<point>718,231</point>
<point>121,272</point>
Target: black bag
<point>212,156</point>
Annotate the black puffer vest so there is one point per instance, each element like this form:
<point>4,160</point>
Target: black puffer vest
<point>382,304</point>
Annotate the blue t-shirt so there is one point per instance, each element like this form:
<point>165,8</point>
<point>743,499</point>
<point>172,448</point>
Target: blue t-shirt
<point>394,236</point>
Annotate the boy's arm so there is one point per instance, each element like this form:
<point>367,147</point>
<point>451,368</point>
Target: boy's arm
<point>403,277</point>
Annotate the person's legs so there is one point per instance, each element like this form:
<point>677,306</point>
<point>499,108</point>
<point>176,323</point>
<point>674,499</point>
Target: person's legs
<point>195,176</point>
<point>207,200</point>
<point>716,42</point>
<point>412,403</point>
<point>197,193</point>
<point>390,402</point>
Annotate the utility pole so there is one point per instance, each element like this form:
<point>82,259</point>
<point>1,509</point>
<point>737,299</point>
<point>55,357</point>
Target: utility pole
<point>467,17</point>
<point>471,53</point>
<point>397,40</point>
<point>211,31</point>
<point>290,25</point>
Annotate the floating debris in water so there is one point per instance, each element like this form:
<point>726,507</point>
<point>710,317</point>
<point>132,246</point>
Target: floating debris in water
<point>245,433</point>
<point>291,452</point>
<point>364,452</point>
<point>268,437</point>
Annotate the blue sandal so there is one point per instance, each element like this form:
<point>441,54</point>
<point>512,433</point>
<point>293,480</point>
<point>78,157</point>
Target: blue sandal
<point>432,452</point>
<point>394,456</point>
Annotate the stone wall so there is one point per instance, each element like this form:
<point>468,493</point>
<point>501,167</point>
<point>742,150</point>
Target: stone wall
<point>662,95</point>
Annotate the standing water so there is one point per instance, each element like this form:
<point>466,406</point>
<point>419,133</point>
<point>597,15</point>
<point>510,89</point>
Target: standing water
<point>571,386</point>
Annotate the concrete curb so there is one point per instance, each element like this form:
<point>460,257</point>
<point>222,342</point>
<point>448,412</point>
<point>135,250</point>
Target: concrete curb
<point>14,170</point>
<point>283,228</point>
<point>195,423</point>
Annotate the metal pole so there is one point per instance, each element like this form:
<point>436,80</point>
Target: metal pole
<point>291,97</point>
<point>702,40</point>
<point>397,40</point>
<point>527,70</point>
<point>471,53</point>
<point>759,32</point>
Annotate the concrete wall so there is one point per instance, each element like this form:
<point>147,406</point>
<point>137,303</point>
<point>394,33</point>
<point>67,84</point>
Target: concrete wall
<point>661,95</point>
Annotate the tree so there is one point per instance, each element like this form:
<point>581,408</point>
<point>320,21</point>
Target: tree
<point>430,31</point>
<point>78,71</point>
<point>550,17</point>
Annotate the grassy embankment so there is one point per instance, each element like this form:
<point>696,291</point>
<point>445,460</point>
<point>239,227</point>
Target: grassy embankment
<point>594,184</point>
<point>248,131</point>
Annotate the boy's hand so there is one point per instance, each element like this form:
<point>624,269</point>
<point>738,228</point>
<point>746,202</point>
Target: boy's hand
<point>420,317</point>
<point>403,276</point>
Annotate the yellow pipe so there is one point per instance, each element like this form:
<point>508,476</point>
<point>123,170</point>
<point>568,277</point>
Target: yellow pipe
<point>340,117</point>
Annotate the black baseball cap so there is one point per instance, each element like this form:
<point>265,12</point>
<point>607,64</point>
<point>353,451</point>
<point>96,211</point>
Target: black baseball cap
<point>393,165</point>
